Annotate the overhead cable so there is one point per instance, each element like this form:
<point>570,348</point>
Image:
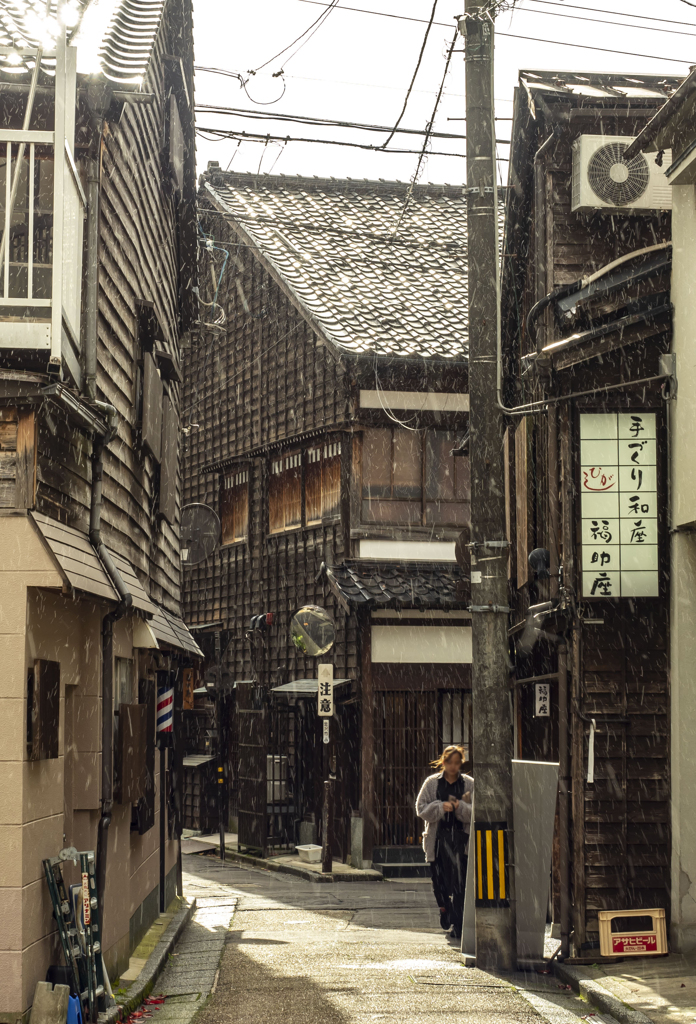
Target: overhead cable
<point>513,35</point>
<point>413,77</point>
<point>316,24</point>
<point>222,133</point>
<point>207,108</point>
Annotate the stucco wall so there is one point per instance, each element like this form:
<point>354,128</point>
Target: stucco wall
<point>47,805</point>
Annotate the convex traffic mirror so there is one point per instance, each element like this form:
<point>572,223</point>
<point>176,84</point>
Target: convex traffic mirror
<point>312,630</point>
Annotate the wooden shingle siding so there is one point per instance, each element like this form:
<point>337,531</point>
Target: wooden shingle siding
<point>140,258</point>
<point>272,379</point>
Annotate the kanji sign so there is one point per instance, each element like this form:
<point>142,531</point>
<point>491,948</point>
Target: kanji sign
<point>618,495</point>
<point>325,706</point>
<point>542,700</point>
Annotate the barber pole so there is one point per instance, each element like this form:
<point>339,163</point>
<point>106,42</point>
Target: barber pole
<point>165,709</point>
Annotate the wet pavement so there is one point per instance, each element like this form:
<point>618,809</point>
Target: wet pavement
<point>298,951</point>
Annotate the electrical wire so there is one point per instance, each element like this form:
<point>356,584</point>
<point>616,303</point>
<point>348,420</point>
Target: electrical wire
<point>602,21</point>
<point>218,134</point>
<point>599,10</point>
<point>555,3</point>
<point>428,130</point>
<point>207,108</point>
<point>413,77</point>
<point>513,35</point>
<point>316,25</point>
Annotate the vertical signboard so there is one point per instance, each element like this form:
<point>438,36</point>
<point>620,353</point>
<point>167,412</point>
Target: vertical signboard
<point>542,700</point>
<point>618,496</point>
<point>325,707</point>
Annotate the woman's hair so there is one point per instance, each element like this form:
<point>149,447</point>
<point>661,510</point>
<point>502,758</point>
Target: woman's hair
<point>446,754</point>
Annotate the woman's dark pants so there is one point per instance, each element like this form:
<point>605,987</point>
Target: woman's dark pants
<point>448,872</point>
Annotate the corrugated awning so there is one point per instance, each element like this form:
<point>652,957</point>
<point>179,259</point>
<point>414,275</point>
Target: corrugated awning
<point>173,632</point>
<point>304,687</point>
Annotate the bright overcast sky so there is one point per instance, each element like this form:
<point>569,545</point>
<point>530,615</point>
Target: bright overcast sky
<point>357,67</point>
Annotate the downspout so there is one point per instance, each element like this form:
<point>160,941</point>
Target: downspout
<point>125,600</point>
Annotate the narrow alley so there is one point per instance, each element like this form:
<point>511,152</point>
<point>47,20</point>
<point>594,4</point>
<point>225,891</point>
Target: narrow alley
<point>266,946</point>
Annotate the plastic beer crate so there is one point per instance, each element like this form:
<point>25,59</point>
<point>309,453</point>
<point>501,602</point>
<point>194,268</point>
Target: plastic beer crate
<point>632,932</point>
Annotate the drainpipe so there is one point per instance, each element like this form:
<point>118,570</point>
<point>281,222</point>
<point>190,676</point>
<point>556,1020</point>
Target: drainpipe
<point>125,600</point>
<point>92,274</point>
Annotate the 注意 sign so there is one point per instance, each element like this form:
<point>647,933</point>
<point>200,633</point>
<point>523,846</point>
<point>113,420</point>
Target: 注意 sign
<point>325,707</point>
<point>618,496</point>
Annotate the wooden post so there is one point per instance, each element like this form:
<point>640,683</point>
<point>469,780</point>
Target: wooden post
<point>327,825</point>
<point>26,459</point>
<point>496,935</point>
<point>367,765</point>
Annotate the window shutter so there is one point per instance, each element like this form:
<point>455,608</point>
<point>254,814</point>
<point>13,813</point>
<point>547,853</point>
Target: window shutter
<point>143,818</point>
<point>170,461</point>
<point>132,740</point>
<point>43,710</point>
<point>153,394</point>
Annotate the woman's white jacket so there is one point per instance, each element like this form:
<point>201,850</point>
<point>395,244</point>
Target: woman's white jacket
<point>429,808</point>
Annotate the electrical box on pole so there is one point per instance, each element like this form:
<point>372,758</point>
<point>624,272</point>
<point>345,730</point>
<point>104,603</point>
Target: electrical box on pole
<point>492,716</point>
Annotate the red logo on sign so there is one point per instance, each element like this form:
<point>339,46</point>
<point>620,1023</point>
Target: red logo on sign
<point>597,479</point>
<point>634,943</point>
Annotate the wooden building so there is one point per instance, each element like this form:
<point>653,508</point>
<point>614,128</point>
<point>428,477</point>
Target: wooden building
<point>673,131</point>
<point>323,402</point>
<point>586,323</point>
<point>97,264</point>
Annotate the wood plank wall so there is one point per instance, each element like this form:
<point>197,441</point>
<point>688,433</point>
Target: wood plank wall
<point>266,378</point>
<point>621,833</point>
<point>143,238</point>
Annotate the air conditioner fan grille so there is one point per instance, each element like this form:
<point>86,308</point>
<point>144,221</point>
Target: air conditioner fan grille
<point>615,180</point>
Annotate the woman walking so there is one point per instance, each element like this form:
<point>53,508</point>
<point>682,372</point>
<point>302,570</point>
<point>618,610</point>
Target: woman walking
<point>444,804</point>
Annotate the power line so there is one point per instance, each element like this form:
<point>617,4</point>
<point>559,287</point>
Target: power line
<point>308,119</point>
<point>413,78</point>
<point>599,10</point>
<point>428,130</point>
<point>513,35</point>
<point>317,22</point>
<point>222,133</point>
<point>555,3</point>
<point>601,21</point>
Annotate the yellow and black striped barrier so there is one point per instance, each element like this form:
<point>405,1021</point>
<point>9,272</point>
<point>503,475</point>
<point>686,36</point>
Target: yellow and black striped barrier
<point>491,852</point>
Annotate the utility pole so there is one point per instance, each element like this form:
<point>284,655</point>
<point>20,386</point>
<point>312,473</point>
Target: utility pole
<point>496,940</point>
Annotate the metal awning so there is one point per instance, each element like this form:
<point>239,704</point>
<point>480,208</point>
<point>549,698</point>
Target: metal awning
<point>173,632</point>
<point>81,567</point>
<point>304,687</point>
<point>195,760</point>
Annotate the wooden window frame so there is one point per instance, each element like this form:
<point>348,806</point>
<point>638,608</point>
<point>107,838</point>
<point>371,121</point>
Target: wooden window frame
<point>282,469</point>
<point>424,500</point>
<point>235,483</point>
<point>321,455</point>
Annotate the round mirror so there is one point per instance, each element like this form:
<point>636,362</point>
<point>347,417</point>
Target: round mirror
<point>312,630</point>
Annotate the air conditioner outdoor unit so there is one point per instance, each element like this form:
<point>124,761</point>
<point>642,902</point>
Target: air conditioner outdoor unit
<point>602,179</point>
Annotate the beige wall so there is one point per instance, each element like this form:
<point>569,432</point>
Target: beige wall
<point>683,410</point>
<point>47,805</point>
<point>682,420</point>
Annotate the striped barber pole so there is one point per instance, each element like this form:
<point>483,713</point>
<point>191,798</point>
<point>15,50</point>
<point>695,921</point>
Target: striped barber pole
<point>165,709</point>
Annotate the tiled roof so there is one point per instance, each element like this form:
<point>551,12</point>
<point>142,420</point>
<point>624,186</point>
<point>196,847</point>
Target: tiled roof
<point>410,586</point>
<point>594,85</point>
<point>363,286</point>
<point>113,37</point>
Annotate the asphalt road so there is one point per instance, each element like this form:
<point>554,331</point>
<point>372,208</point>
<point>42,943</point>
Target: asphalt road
<point>302,952</point>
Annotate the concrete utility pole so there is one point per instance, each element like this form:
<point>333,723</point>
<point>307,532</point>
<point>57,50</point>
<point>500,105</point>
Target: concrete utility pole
<point>492,740</point>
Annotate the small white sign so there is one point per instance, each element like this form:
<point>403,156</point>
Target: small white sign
<point>326,730</point>
<point>325,706</point>
<point>542,702</point>
<point>475,575</point>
